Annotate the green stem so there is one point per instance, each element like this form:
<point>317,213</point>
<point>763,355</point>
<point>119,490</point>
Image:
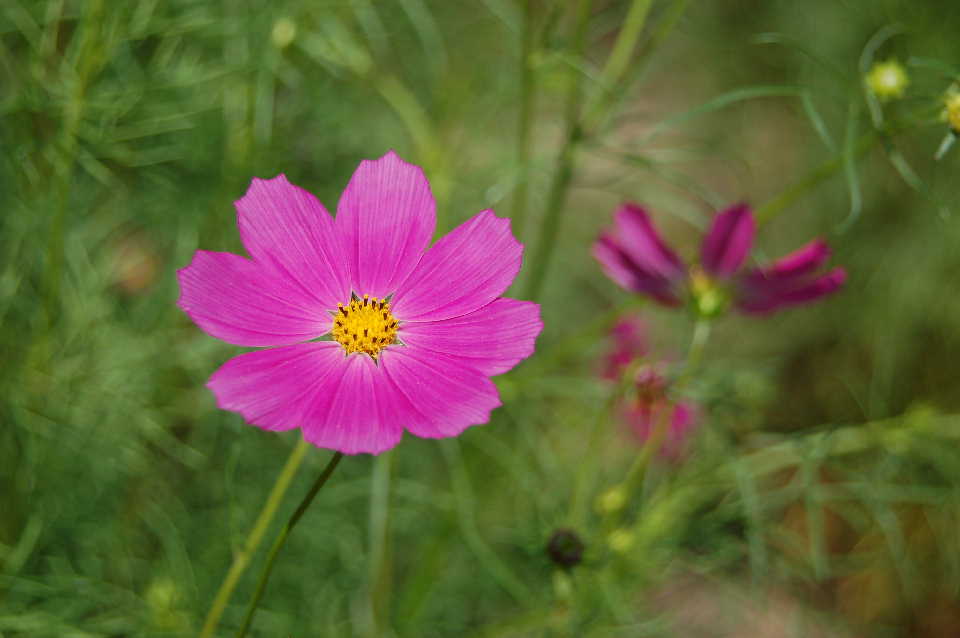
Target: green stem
<point>415,118</point>
<point>587,471</point>
<point>635,57</point>
<point>821,173</point>
<point>547,239</point>
<point>242,559</point>
<point>620,56</point>
<point>698,343</point>
<point>379,543</point>
<point>497,569</point>
<point>827,169</point>
<point>87,62</point>
<point>282,539</point>
<point>524,124</point>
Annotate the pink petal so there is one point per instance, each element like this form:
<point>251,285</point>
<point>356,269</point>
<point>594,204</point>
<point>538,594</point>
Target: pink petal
<point>683,421</point>
<point>728,243</point>
<point>286,227</point>
<point>446,396</point>
<point>641,242</point>
<point>632,276</point>
<point>248,304</point>
<point>270,388</point>
<point>799,263</point>
<point>360,411</point>
<point>340,403</point>
<point>491,340</point>
<point>385,219</point>
<point>465,270</point>
<point>629,342</point>
<point>774,295</point>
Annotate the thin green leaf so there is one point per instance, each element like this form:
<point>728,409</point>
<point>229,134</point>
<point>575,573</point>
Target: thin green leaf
<point>721,101</point>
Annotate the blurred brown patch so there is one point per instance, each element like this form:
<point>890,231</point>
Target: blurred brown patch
<point>696,607</point>
<point>134,262</point>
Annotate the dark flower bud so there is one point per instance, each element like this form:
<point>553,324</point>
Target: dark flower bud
<point>565,548</point>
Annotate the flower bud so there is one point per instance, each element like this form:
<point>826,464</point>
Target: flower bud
<point>612,501</point>
<point>887,80</point>
<point>283,33</point>
<point>951,108</point>
<point>565,548</point>
<point>620,540</point>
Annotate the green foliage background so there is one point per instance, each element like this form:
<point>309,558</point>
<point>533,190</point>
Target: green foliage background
<point>822,492</point>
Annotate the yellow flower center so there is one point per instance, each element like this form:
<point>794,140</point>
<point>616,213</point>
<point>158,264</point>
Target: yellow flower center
<point>366,325</point>
<point>709,298</point>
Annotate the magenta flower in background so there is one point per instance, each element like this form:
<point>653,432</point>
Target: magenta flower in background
<point>415,333</point>
<point>628,339</point>
<point>643,413</point>
<point>647,402</point>
<point>634,256</point>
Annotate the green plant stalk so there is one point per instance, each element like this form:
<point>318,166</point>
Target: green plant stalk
<point>791,194</point>
<point>403,101</point>
<point>616,64</point>
<point>411,112</point>
<point>698,343</point>
<point>380,559</point>
<point>587,470</point>
<point>474,540</point>
<point>603,106</point>
<point>87,63</point>
<point>282,539</point>
<point>242,559</point>
<point>827,169</point>
<point>547,239</point>
<point>527,88</point>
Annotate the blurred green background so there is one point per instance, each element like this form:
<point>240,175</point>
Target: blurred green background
<point>822,494</point>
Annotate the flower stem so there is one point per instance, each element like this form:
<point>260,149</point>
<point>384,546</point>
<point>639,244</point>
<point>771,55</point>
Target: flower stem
<point>282,539</point>
<point>587,471</point>
<point>792,193</point>
<point>242,558</point>
<point>620,57</point>
<point>380,543</point>
<point>854,151</point>
<point>547,239</point>
<point>698,343</point>
<point>524,124</point>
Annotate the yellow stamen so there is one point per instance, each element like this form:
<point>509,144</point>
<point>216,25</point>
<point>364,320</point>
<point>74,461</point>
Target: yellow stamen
<point>365,325</point>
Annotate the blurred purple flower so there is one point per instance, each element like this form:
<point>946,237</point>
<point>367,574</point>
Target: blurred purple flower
<point>628,342</point>
<point>650,406</point>
<point>647,402</point>
<point>634,256</point>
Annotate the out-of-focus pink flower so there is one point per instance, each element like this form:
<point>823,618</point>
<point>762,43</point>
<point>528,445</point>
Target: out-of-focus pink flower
<point>633,255</point>
<point>651,409</point>
<point>628,341</point>
<point>415,332</point>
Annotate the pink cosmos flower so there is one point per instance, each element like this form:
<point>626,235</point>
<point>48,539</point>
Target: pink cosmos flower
<point>414,333</point>
<point>648,401</point>
<point>634,256</point>
<point>643,413</point>
<point>628,339</point>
